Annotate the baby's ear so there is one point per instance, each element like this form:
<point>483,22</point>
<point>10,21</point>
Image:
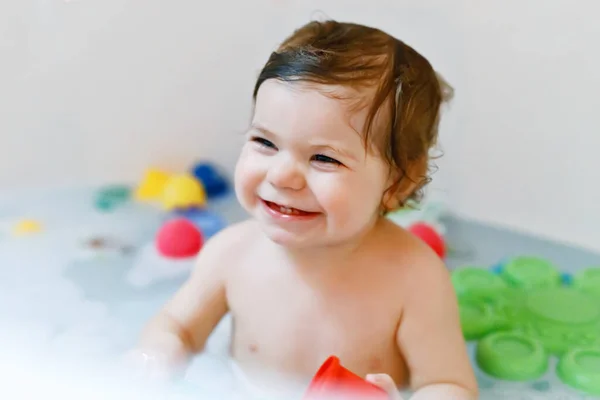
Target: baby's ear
<point>397,194</point>
<point>390,202</point>
<point>402,185</point>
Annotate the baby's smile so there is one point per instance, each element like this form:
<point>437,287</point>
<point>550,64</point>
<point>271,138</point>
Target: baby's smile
<point>287,213</point>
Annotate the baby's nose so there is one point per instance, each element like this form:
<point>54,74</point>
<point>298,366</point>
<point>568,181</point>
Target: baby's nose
<point>286,174</point>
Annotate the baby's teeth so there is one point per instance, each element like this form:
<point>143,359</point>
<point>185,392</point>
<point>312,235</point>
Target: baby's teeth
<point>285,210</point>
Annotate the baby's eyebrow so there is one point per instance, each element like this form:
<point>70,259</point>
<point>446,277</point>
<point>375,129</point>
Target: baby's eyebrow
<point>261,129</point>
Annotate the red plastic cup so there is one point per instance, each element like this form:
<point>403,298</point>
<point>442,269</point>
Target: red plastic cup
<point>332,381</point>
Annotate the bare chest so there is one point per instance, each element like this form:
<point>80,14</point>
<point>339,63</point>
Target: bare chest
<point>292,325</point>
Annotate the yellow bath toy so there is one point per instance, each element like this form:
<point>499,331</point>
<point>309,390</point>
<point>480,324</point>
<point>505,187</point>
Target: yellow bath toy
<point>152,185</point>
<point>26,226</point>
<point>183,191</point>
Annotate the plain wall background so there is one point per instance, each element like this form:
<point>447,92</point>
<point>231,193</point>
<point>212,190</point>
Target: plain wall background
<point>95,91</point>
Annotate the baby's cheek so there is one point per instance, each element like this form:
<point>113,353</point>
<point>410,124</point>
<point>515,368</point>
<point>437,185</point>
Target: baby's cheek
<point>351,204</point>
<point>247,178</point>
<point>338,201</point>
<point>329,192</point>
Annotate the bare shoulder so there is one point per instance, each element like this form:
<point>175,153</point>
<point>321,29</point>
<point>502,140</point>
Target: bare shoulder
<point>415,266</point>
<point>410,255</point>
<point>223,249</point>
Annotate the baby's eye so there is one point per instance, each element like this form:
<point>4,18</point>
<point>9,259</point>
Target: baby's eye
<point>264,142</point>
<point>324,159</point>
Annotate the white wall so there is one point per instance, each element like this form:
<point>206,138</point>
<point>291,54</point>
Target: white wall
<point>95,91</point>
<point>529,140</point>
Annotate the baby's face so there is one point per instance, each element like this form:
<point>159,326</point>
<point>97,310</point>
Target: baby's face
<point>303,172</point>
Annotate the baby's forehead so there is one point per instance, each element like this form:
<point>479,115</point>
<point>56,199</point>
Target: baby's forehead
<point>355,103</point>
<point>325,109</point>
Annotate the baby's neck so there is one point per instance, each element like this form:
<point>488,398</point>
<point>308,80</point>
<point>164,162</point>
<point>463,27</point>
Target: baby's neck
<point>328,256</point>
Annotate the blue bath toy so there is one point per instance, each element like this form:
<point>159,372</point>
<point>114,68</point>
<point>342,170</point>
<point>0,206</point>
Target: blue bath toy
<point>208,222</point>
<point>214,183</point>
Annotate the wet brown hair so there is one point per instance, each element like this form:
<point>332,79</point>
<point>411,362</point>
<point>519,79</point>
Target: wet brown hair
<point>405,91</point>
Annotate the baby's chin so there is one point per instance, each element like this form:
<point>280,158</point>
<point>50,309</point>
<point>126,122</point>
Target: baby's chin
<point>290,240</point>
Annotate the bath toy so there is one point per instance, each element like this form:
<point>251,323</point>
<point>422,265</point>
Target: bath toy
<point>183,191</point>
<point>214,183</point>
<point>110,197</point>
<point>107,244</point>
<point>27,227</point>
<point>472,279</point>
<point>208,222</point>
<point>332,380</point>
<point>588,280</point>
<point>531,272</point>
<point>565,277</point>
<point>580,368</point>
<point>512,356</point>
<point>179,238</point>
<point>525,313</point>
<point>430,236</point>
<point>152,186</point>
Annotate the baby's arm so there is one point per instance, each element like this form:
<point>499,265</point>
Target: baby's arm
<point>182,327</point>
<point>431,339</point>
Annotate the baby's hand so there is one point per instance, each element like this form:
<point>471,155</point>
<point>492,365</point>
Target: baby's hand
<point>148,365</point>
<point>385,382</point>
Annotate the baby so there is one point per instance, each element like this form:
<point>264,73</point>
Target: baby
<point>343,121</point>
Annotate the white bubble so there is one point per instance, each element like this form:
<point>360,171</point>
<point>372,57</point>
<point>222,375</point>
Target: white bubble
<point>150,267</point>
